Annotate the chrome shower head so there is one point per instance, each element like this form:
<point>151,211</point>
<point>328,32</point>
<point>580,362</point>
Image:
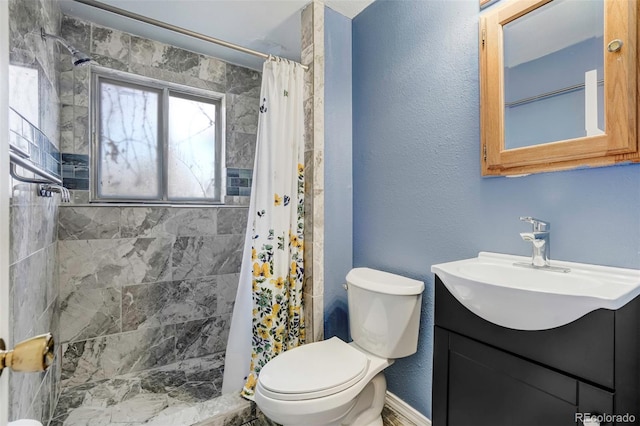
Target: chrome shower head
<point>78,58</point>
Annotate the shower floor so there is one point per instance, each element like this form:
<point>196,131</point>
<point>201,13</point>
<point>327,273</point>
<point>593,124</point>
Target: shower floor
<point>179,394</point>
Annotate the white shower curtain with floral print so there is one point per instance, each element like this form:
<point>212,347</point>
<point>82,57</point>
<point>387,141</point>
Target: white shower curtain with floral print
<point>268,315</point>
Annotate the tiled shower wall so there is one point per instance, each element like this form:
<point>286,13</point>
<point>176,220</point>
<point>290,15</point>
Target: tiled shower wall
<point>144,286</point>
<point>312,55</point>
<point>33,236</point>
<point>122,51</point>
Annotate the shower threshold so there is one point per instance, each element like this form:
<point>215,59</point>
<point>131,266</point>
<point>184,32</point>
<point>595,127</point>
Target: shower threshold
<point>180,394</point>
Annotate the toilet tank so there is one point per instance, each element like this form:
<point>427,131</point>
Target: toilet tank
<point>384,312</point>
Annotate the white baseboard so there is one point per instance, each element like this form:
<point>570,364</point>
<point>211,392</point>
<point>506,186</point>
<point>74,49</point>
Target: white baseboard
<point>405,410</point>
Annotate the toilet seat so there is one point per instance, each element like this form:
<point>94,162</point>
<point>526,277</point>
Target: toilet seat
<point>335,366</point>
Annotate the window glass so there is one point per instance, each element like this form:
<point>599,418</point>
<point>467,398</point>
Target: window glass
<point>191,154</point>
<point>156,141</point>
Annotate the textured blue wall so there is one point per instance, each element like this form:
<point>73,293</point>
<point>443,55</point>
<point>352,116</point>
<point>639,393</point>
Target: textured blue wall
<point>417,192</point>
<point>338,200</point>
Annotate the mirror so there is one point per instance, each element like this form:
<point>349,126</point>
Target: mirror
<point>545,101</point>
<point>547,77</point>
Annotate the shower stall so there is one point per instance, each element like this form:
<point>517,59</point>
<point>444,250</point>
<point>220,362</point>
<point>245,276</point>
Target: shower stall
<point>138,297</point>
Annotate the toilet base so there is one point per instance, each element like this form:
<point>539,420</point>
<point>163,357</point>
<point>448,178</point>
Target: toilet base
<point>364,410</point>
<point>376,422</point>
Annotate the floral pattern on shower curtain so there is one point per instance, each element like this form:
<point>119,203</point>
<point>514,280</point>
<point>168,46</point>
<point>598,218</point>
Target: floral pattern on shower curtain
<point>277,242</point>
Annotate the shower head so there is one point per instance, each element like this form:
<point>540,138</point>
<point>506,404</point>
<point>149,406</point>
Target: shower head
<point>78,58</point>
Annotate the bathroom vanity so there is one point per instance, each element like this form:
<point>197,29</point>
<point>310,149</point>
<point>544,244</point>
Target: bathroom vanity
<point>488,374</point>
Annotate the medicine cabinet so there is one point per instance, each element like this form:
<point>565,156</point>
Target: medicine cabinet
<point>558,85</point>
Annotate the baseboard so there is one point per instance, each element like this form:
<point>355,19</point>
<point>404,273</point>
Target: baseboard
<point>404,410</point>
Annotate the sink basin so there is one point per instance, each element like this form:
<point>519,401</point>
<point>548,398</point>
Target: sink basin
<point>493,288</point>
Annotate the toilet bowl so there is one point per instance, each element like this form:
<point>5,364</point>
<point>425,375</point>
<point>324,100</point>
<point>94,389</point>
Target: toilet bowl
<point>337,383</point>
<point>320,383</point>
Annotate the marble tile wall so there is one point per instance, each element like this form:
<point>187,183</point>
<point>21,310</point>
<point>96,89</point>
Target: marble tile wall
<point>312,55</point>
<point>33,234</point>
<point>143,287</point>
<point>122,51</point>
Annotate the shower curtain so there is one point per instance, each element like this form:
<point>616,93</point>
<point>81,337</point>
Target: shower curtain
<point>268,315</point>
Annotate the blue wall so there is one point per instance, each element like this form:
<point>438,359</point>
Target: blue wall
<point>418,195</point>
<point>338,200</point>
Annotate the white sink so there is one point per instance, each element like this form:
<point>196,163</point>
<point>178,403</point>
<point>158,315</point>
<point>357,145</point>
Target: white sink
<point>493,288</point>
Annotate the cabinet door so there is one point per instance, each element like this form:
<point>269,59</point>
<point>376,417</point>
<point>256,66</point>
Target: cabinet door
<point>477,385</point>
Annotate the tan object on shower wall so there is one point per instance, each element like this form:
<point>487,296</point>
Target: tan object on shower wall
<point>31,355</point>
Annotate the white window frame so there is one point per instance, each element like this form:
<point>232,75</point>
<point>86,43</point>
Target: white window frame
<point>164,88</point>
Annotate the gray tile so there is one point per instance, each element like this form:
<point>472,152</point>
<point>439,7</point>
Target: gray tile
<point>66,87</point>
<point>81,123</point>
<point>241,149</point>
<point>195,257</point>
<point>20,238</point>
<point>180,61</point>
<point>80,197</point>
<point>81,82</point>
<point>192,222</point>
<point>168,221</point>
<point>145,51</point>
<point>243,81</point>
<point>89,223</point>
<point>114,263</point>
<point>195,392</point>
<point>89,313</point>
<point>169,58</point>
<point>179,393</point>
<point>232,220</point>
<point>242,114</point>
<point>24,390</point>
<point>139,409</point>
<point>145,221</point>
<point>163,303</point>
<point>212,69</point>
<point>107,356</point>
<point>76,32</point>
<point>175,77</point>
<point>109,62</point>
<point>227,291</point>
<point>27,283</point>
<point>162,380</point>
<point>202,337</point>
<point>109,43</point>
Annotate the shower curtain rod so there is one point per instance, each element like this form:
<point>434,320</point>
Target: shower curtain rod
<point>174,28</point>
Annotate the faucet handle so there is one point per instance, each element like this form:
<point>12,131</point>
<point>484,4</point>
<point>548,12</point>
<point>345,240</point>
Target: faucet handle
<point>538,225</point>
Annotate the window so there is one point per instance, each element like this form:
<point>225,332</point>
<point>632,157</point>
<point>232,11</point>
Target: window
<point>155,141</point>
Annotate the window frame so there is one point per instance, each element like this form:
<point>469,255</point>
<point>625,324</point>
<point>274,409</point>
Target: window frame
<point>165,89</point>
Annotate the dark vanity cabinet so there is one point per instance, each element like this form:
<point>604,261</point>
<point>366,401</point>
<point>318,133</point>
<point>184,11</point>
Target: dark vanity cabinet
<point>486,374</point>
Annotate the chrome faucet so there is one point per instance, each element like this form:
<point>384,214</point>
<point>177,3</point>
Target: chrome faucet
<point>540,240</point>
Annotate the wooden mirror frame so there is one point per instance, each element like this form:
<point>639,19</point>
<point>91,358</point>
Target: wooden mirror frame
<point>618,144</point>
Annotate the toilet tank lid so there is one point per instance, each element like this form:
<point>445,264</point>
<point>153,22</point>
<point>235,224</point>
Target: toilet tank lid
<point>383,282</point>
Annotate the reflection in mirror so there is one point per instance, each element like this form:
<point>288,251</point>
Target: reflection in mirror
<point>24,92</point>
<point>554,73</point>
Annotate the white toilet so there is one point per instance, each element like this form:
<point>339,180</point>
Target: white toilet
<point>337,383</point>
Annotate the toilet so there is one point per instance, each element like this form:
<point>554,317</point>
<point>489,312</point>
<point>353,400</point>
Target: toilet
<point>337,383</point>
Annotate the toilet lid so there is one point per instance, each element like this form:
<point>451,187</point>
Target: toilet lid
<point>313,371</point>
